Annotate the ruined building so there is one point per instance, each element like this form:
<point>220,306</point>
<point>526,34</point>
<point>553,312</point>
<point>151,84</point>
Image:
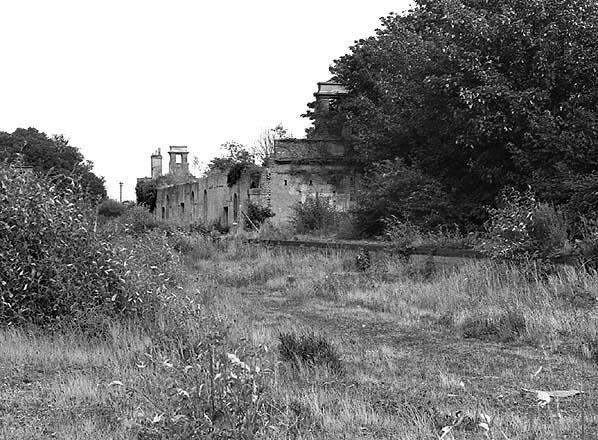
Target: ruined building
<point>300,168</point>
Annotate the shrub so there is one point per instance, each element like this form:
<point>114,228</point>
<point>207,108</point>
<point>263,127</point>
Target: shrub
<point>139,219</point>
<point>391,188</point>
<point>111,208</point>
<point>309,349</point>
<point>583,201</point>
<point>257,214</point>
<point>55,269</point>
<point>522,228</point>
<point>314,214</point>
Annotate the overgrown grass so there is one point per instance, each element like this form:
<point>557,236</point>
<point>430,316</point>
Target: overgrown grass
<point>416,341</point>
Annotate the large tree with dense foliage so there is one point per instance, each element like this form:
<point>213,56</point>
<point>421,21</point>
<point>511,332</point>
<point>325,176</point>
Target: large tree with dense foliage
<point>52,156</point>
<point>479,95</point>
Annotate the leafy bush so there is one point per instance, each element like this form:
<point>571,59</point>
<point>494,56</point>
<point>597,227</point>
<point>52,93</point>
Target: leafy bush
<point>315,214</point>
<point>257,214</point>
<point>55,269</point>
<point>522,228</point>
<point>111,208</point>
<point>392,189</point>
<point>309,349</point>
<point>139,219</point>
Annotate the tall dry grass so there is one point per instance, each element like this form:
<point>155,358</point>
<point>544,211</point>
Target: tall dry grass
<point>213,352</point>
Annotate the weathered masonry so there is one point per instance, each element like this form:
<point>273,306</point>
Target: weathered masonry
<point>300,168</point>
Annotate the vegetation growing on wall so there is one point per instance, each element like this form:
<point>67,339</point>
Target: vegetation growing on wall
<point>235,160</point>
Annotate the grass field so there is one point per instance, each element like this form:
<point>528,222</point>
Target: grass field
<point>422,347</point>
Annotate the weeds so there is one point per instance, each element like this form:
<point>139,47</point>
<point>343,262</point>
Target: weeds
<point>504,328</point>
<point>309,349</point>
<point>315,214</point>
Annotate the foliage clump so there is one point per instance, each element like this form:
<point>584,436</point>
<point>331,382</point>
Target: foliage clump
<point>234,162</point>
<point>56,269</point>
<point>392,189</point>
<point>257,214</point>
<point>315,214</point>
<point>111,208</point>
<point>146,192</point>
<point>309,349</point>
<point>521,228</point>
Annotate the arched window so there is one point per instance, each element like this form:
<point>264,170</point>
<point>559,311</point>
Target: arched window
<point>167,207</point>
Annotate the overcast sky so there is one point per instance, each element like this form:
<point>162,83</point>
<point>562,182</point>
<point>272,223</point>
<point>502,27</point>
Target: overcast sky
<point>122,78</point>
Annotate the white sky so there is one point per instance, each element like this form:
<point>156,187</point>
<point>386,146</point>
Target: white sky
<point>120,78</point>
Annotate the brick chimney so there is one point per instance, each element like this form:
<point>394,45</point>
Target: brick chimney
<point>156,164</point>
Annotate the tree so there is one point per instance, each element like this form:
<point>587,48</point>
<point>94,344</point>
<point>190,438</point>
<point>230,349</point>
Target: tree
<point>263,149</point>
<point>234,161</point>
<point>479,95</point>
<point>146,192</point>
<point>53,156</point>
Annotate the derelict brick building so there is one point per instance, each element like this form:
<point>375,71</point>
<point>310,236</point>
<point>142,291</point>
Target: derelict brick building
<point>300,168</point>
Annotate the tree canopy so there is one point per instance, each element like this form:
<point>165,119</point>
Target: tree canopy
<point>478,94</point>
<point>51,155</point>
<point>235,159</point>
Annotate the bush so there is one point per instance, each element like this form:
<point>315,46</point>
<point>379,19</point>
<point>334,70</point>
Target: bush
<point>316,214</point>
<point>309,349</point>
<point>390,188</point>
<point>55,269</point>
<point>257,215</point>
<point>521,228</point>
<point>139,219</point>
<point>111,208</point>
<point>582,204</point>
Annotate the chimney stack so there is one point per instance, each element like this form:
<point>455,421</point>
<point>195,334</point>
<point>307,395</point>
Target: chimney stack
<point>156,164</point>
